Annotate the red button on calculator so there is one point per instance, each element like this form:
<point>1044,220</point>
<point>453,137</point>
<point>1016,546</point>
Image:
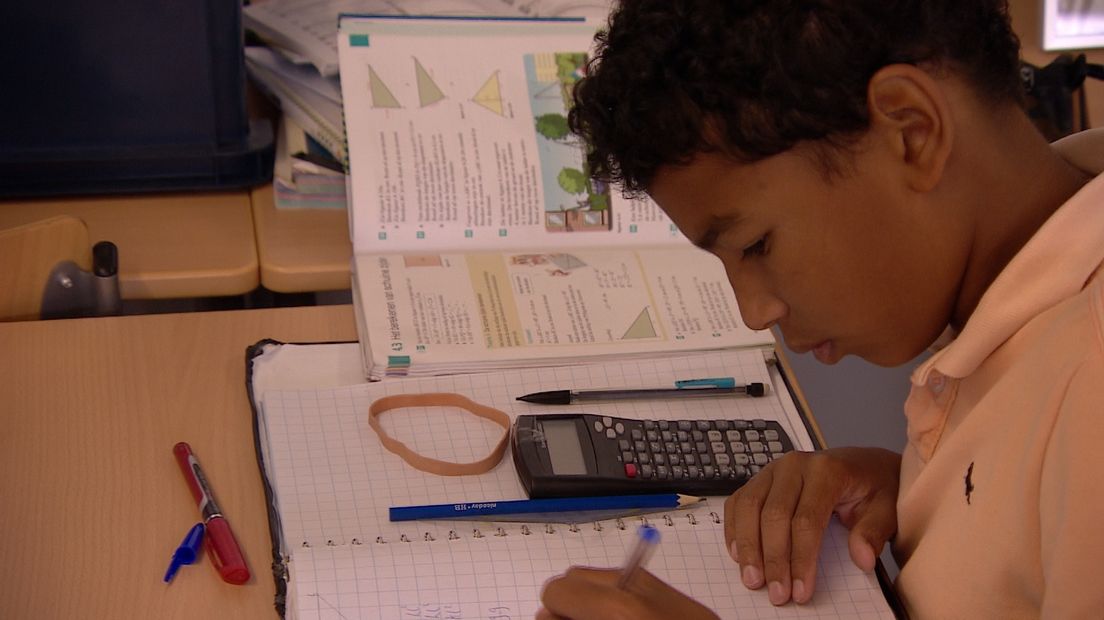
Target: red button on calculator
<point>630,470</point>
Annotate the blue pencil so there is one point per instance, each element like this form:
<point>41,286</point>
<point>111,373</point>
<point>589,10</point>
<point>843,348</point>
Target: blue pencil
<point>482,510</point>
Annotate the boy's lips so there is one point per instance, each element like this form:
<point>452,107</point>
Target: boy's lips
<point>824,352</point>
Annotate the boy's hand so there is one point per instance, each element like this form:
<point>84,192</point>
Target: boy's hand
<point>592,594</point>
<point>774,523</point>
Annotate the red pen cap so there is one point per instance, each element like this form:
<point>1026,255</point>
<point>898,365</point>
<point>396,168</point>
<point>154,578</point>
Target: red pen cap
<point>225,553</point>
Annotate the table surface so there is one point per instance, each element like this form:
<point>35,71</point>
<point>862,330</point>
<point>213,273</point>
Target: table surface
<point>94,503</point>
<point>170,245</point>
<point>301,250</point>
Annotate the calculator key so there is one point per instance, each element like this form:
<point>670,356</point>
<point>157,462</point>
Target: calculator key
<point>640,446</point>
<point>655,446</point>
<point>623,444</point>
<point>704,425</point>
<point>740,424</point>
<point>718,447</point>
<point>664,425</point>
<point>659,458</point>
<point>685,447</point>
<point>774,446</point>
<point>598,426</point>
<point>754,469</point>
<point>733,435</point>
<point>678,472</point>
<point>722,459</point>
<point>751,435</point>
<point>705,459</point>
<point>760,459</point>
<point>663,472</point>
<point>611,434</point>
<point>775,456</point>
<point>692,472</point>
<point>737,447</point>
<point>620,428</point>
<point>667,436</point>
<point>714,436</point>
<point>759,424</point>
<point>671,447</point>
<point>683,436</point>
<point>741,459</point>
<point>743,472</point>
<point>607,421</point>
<point>685,425</point>
<point>725,471</point>
<point>770,434</point>
<point>690,459</point>
<point>643,457</point>
<point>708,471</point>
<point>697,435</point>
<point>674,459</point>
<point>757,446</point>
<point>628,456</point>
<point>722,425</point>
<point>646,471</point>
<point>637,434</point>
<point>649,425</point>
<point>630,470</point>
<point>652,435</point>
<point>701,447</point>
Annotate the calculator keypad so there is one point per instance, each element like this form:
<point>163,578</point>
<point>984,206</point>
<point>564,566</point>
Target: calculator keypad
<point>693,455</point>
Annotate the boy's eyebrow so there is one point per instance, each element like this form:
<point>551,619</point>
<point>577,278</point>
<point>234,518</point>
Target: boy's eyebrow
<point>716,226</point>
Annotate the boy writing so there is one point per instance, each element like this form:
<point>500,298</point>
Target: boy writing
<point>867,174</point>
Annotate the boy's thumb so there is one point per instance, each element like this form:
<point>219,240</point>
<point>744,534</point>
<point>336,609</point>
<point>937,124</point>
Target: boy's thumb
<point>868,536</point>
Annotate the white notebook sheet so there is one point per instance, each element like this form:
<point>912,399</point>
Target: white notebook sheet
<point>333,482</point>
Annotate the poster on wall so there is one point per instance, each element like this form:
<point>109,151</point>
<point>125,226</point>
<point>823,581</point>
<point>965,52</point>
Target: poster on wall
<point>1073,24</point>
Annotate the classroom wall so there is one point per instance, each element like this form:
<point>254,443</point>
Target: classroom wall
<point>1027,20</point>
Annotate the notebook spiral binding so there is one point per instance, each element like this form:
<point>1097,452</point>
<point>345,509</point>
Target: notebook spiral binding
<point>525,530</point>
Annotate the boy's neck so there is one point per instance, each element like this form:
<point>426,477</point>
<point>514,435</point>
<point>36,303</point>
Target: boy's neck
<point>1017,182</point>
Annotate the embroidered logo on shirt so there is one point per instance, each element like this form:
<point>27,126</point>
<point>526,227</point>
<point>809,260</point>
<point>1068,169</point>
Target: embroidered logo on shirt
<point>969,482</point>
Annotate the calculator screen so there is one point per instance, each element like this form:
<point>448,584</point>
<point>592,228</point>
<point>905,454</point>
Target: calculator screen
<point>564,450</point>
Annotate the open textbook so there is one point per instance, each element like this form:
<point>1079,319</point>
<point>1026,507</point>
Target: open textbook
<point>479,239</point>
<point>330,482</point>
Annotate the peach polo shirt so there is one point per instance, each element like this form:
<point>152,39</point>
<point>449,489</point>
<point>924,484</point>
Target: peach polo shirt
<point>1001,505</point>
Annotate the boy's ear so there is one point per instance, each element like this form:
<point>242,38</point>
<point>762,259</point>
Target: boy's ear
<point>910,110</point>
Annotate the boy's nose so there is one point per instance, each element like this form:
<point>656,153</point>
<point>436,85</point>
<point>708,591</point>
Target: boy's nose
<point>761,311</point>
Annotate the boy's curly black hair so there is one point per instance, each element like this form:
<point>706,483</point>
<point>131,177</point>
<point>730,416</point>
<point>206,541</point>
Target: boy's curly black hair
<point>752,78</point>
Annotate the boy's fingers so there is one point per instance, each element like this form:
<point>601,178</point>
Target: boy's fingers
<point>776,530</point>
<point>742,510</point>
<point>876,522</point>
<point>807,531</point>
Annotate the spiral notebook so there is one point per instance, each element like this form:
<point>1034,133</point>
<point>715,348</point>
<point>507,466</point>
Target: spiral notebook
<point>330,484</point>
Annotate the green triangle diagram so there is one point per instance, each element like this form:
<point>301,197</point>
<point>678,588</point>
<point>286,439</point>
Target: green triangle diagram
<point>381,95</point>
<point>642,327</point>
<point>490,95</point>
<point>428,91</point>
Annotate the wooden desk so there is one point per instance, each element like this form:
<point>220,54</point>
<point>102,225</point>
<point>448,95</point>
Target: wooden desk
<point>93,503</point>
<point>301,250</point>
<point>170,246</point>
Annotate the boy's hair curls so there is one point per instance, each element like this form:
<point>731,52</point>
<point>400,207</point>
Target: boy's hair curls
<point>752,78</point>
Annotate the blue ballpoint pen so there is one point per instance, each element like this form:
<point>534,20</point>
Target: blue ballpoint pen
<point>647,539</point>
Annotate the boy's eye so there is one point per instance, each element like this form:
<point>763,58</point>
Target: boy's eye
<point>758,248</point>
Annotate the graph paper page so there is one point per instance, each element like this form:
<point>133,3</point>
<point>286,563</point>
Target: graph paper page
<point>333,481</point>
<point>501,576</point>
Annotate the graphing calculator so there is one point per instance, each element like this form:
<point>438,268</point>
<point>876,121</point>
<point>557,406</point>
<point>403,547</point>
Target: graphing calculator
<point>581,454</point>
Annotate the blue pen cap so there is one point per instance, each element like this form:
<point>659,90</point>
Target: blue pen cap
<point>648,534</point>
<point>188,550</point>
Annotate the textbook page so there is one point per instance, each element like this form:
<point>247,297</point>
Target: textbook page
<point>448,313</point>
<point>458,140</point>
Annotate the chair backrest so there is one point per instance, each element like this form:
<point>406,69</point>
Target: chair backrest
<point>29,253</point>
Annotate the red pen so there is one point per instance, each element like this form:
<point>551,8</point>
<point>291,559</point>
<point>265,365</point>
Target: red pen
<point>222,547</point>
